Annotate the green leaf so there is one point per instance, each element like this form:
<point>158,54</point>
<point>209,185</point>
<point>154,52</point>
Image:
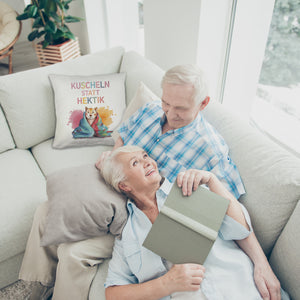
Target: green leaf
<point>41,33</point>
<point>45,44</point>
<point>42,4</point>
<point>33,35</point>
<point>37,23</point>
<point>60,5</point>
<point>23,16</point>
<point>56,17</point>
<point>32,11</point>
<point>51,27</point>
<point>71,19</point>
<point>49,37</point>
<point>64,28</point>
<point>70,35</point>
<point>27,8</point>
<point>50,6</point>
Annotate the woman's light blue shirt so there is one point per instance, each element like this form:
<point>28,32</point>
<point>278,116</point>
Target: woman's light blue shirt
<point>229,271</point>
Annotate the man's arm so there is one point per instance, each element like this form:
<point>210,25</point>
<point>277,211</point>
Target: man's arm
<point>264,277</point>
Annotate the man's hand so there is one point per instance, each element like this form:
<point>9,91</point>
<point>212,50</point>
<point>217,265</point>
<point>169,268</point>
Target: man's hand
<point>189,180</point>
<point>101,159</point>
<point>183,277</point>
<point>266,282</point>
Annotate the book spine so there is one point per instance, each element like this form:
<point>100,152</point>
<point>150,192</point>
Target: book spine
<point>189,223</point>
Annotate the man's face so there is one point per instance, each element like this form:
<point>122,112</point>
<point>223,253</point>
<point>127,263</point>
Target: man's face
<point>179,105</point>
<point>140,170</point>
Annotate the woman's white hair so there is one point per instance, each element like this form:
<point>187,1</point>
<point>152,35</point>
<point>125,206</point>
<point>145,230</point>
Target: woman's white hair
<point>112,170</point>
<point>188,74</point>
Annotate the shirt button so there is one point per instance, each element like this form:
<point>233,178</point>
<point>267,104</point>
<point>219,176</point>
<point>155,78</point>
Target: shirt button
<point>157,140</point>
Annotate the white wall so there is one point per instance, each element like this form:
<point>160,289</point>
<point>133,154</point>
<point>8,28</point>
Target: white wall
<point>123,23</point>
<point>212,42</point>
<point>250,34</point>
<point>171,31</point>
<point>191,31</point>
<point>95,32</point>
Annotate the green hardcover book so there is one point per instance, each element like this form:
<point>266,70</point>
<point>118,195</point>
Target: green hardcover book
<point>187,227</point>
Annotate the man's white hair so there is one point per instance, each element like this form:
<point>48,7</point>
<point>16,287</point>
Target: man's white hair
<point>188,74</point>
<point>112,170</point>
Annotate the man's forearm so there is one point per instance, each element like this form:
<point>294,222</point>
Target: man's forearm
<point>234,209</point>
<point>252,248</point>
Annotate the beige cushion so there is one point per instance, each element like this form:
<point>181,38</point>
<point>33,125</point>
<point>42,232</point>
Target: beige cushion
<point>6,141</point>
<point>23,187</point>
<point>285,255</point>
<point>271,175</point>
<point>31,92</point>
<point>82,206</point>
<point>142,96</point>
<point>9,26</point>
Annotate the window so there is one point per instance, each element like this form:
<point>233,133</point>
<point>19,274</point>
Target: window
<point>276,108</point>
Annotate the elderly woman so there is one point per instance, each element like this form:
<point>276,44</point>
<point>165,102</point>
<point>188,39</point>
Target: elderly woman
<point>137,273</point>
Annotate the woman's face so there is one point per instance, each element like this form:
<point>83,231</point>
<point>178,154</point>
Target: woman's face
<point>140,170</point>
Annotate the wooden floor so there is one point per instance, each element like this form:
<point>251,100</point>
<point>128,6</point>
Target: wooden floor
<point>23,58</point>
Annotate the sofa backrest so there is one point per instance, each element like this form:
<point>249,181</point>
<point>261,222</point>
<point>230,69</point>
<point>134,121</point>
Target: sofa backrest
<point>27,97</point>
<point>6,140</point>
<point>138,69</point>
<point>270,174</point>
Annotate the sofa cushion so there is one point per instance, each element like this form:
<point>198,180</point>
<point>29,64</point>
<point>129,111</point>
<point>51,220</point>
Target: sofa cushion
<point>88,108</point>
<point>142,96</point>
<point>140,69</point>
<point>285,255</point>
<point>31,92</point>
<point>6,141</point>
<point>23,188</point>
<point>82,206</point>
<point>97,290</point>
<point>270,174</point>
<point>51,160</point>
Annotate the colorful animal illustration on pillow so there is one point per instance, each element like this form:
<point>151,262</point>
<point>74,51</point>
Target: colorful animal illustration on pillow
<point>91,125</point>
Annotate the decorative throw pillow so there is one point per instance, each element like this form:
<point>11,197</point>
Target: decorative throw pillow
<point>142,96</point>
<point>82,206</point>
<point>88,108</point>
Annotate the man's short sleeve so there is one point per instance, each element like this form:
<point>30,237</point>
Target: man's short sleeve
<point>126,128</point>
<point>119,272</point>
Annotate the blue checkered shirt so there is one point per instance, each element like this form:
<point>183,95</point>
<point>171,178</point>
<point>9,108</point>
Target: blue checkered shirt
<point>195,146</point>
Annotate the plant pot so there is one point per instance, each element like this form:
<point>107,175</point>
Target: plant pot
<point>57,53</point>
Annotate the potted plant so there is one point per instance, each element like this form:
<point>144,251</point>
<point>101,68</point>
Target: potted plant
<point>49,25</point>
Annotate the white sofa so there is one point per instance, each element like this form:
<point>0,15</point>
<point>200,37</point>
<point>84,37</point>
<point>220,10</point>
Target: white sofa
<point>27,123</point>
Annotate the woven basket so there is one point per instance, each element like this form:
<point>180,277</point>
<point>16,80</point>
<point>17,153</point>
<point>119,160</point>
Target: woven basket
<point>57,53</point>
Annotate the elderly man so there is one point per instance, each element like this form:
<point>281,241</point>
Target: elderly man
<point>141,274</point>
<point>176,135</point>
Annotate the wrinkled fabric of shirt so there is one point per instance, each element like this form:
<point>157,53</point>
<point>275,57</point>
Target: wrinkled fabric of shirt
<point>195,146</point>
<point>229,271</point>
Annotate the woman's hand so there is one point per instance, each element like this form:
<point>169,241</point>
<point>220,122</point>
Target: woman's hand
<point>189,180</point>
<point>183,277</point>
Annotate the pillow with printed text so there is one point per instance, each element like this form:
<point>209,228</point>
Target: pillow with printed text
<point>88,108</point>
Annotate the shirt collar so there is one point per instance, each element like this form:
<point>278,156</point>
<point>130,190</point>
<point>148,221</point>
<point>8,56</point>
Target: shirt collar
<point>161,195</point>
<point>186,128</point>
